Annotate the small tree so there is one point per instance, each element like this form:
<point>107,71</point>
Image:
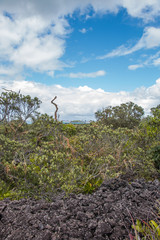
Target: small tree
<point>17,108</point>
<point>156,111</point>
<point>126,115</point>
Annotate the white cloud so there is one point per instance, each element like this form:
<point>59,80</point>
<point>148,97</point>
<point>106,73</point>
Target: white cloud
<point>150,39</point>
<point>135,66</point>
<point>145,9</point>
<point>120,51</point>
<point>85,59</point>
<point>156,62</point>
<point>83,30</point>
<point>83,102</point>
<point>31,42</point>
<point>155,89</point>
<point>33,32</point>
<point>7,70</point>
<point>153,60</point>
<point>40,54</point>
<point>51,73</point>
<point>99,73</point>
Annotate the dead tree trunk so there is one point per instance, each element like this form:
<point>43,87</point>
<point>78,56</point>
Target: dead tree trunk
<point>55,114</point>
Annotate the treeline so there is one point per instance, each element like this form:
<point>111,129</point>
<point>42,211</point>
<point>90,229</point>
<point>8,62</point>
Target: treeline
<point>40,156</point>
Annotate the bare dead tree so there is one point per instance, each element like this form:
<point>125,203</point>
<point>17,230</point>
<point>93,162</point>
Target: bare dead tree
<point>55,114</point>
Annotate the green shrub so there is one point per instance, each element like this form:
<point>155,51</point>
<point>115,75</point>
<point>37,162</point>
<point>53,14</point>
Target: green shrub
<point>156,156</point>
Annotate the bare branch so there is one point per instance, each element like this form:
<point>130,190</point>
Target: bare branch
<point>55,114</point>
<point>7,90</point>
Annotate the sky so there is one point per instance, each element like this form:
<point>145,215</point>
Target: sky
<point>91,54</point>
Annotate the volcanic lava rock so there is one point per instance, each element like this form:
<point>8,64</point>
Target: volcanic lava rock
<point>105,214</point>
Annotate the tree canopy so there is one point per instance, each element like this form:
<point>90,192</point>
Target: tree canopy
<point>16,109</point>
<point>15,106</point>
<point>126,115</point>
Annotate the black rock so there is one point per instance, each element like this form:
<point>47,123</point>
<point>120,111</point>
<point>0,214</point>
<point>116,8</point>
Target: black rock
<point>106,214</point>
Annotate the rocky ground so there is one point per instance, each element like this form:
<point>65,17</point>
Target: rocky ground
<point>105,214</point>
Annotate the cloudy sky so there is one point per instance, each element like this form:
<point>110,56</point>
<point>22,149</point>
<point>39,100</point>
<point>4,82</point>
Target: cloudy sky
<point>88,53</point>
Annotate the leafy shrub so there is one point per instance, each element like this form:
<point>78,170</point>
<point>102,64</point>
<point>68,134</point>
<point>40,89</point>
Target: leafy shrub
<point>69,129</point>
<point>48,156</point>
<point>156,156</point>
<point>149,231</point>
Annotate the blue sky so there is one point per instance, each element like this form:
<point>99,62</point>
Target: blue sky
<point>90,54</point>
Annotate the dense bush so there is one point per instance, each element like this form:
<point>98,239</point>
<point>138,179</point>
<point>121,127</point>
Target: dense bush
<point>44,156</point>
<point>126,115</point>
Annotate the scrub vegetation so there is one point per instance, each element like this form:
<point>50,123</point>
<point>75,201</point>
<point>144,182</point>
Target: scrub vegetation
<point>40,156</point>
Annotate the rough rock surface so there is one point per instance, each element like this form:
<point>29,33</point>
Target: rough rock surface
<point>105,214</point>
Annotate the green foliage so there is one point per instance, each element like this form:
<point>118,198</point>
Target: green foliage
<point>150,231</point>
<point>69,129</point>
<point>91,185</point>
<point>156,156</point>
<point>156,111</point>
<point>15,106</point>
<point>7,192</point>
<point>15,110</point>
<point>126,115</point>
<point>46,156</point>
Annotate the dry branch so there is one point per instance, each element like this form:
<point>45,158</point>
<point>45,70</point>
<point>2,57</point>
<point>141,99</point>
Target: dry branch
<point>55,114</point>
